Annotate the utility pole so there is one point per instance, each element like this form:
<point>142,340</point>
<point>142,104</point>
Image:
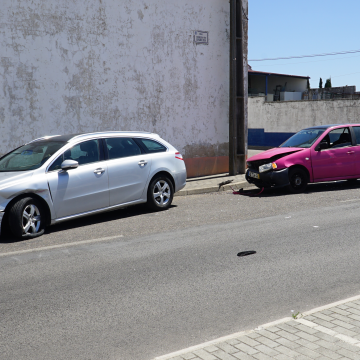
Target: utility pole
<point>238,120</point>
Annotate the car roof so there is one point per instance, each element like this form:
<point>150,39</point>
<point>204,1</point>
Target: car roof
<point>329,126</point>
<point>322,126</point>
<point>84,136</point>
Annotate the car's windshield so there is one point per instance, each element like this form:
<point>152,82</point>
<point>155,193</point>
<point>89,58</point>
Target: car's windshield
<point>30,156</point>
<point>303,139</point>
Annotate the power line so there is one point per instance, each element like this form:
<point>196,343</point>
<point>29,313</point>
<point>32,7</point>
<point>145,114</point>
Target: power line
<point>313,55</point>
<point>307,62</point>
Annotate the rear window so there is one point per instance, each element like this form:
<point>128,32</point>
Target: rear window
<point>152,146</point>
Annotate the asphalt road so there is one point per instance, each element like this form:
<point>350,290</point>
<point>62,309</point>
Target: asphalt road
<point>134,285</point>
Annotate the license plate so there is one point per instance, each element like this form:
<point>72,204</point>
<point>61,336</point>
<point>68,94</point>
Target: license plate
<point>254,175</point>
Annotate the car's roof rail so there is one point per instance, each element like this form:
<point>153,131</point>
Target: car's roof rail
<point>104,133</point>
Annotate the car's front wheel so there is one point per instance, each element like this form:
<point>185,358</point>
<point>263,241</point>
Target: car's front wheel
<point>160,193</point>
<point>298,180</point>
<point>26,218</point>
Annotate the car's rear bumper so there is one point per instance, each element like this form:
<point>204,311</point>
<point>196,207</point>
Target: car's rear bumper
<point>274,178</point>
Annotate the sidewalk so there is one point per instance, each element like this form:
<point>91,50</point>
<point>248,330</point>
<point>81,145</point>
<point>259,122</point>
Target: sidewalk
<point>328,332</point>
<point>207,184</point>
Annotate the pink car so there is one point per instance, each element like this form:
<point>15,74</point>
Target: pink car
<point>319,153</point>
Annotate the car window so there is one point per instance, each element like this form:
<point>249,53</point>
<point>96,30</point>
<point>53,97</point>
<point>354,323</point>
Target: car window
<point>84,153</point>
<point>338,138</point>
<point>121,147</point>
<point>152,146</point>
<point>56,165</point>
<point>303,139</point>
<point>357,134</point>
<point>30,156</point>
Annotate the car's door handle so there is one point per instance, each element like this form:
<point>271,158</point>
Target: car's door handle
<point>99,171</point>
<point>351,152</point>
<point>142,162</point>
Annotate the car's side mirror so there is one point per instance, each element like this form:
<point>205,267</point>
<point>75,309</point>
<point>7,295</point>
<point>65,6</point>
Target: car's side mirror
<point>323,145</point>
<point>69,164</point>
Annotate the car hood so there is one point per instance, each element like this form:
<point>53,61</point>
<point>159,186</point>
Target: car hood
<point>10,178</point>
<point>278,152</point>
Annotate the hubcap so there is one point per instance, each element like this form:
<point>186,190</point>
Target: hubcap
<point>297,180</point>
<point>31,219</point>
<point>162,193</point>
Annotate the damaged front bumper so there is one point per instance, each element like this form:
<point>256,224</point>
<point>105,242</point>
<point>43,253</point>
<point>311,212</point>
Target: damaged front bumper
<point>273,178</point>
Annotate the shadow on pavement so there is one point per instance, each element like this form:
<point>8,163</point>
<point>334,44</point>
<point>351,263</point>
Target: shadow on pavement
<point>311,188</point>
<point>131,211</point>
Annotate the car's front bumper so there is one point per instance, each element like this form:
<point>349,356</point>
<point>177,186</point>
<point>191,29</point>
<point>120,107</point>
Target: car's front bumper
<point>272,178</point>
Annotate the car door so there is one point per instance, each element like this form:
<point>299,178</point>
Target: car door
<point>356,148</point>
<point>82,189</point>
<point>337,161</point>
<point>129,169</point>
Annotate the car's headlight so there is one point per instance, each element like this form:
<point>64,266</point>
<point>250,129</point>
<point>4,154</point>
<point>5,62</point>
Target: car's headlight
<point>267,167</point>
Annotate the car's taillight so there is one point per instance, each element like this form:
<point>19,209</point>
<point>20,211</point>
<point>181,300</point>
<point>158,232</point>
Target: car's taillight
<point>178,156</point>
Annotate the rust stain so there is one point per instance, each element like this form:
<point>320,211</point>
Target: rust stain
<point>202,166</point>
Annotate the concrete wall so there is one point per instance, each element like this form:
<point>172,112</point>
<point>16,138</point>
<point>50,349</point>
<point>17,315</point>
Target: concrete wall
<point>271,123</point>
<point>70,66</point>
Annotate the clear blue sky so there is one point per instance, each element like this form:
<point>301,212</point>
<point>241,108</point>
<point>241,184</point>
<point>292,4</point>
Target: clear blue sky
<point>282,28</point>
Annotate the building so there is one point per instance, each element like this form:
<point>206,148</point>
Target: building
<point>160,66</point>
<point>275,86</point>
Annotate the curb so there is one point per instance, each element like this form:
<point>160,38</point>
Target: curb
<point>211,189</point>
<point>221,339</point>
<point>267,325</point>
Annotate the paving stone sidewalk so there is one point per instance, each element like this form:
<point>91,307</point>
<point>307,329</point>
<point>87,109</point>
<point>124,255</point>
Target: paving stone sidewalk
<point>207,184</point>
<point>329,332</point>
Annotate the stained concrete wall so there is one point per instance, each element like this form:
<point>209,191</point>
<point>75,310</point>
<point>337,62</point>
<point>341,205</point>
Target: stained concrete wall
<point>70,66</point>
<point>278,120</point>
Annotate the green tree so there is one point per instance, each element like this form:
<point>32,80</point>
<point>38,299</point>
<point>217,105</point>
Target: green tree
<point>328,83</point>
<point>320,83</point>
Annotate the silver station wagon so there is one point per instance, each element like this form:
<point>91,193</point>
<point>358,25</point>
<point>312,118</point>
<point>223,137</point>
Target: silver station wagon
<point>57,178</point>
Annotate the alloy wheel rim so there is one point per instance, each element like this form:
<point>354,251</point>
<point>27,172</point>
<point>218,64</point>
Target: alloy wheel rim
<point>31,219</point>
<point>162,193</point>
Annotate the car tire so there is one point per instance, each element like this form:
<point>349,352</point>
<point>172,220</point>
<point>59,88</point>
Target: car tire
<point>160,193</point>
<point>27,218</point>
<point>298,180</point>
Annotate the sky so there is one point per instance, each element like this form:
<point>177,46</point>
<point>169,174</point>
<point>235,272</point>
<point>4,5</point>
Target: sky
<point>284,28</point>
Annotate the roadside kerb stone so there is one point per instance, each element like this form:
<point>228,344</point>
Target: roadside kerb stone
<point>300,339</point>
<point>210,184</point>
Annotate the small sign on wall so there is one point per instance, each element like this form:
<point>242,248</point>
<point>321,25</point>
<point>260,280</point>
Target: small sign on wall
<point>201,37</point>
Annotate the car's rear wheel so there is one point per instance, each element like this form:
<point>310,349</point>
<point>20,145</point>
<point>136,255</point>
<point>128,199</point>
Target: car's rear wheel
<point>27,218</point>
<point>298,180</point>
<point>160,193</point>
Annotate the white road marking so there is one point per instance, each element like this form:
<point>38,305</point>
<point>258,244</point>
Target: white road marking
<point>19,252</point>
<point>350,200</point>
